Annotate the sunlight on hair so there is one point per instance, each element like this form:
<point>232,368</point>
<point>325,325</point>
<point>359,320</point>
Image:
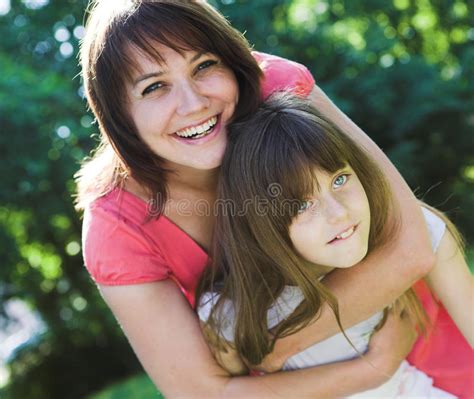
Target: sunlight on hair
<point>104,5</point>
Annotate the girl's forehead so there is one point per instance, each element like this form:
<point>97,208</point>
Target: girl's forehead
<point>322,176</point>
<point>320,173</point>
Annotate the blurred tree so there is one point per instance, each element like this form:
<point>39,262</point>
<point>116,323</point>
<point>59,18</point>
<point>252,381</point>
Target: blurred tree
<point>45,133</point>
<point>402,69</point>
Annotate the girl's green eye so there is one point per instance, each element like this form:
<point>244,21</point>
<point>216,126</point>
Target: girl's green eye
<point>340,180</point>
<point>304,206</point>
<point>152,88</point>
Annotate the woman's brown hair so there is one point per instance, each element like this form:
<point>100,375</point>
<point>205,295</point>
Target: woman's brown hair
<point>271,159</point>
<point>113,30</point>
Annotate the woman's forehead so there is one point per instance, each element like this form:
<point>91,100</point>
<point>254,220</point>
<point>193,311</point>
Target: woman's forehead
<point>158,56</point>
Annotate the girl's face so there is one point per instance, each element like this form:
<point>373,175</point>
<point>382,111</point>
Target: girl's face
<point>332,228</point>
<point>181,107</point>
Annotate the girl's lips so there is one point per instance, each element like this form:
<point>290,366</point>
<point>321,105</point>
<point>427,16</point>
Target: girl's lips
<point>336,240</point>
<point>215,131</point>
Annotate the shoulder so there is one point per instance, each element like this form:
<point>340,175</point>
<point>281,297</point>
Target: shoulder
<point>282,74</point>
<point>116,249</point>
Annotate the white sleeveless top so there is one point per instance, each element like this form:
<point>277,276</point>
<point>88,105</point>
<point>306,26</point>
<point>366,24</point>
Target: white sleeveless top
<point>407,382</point>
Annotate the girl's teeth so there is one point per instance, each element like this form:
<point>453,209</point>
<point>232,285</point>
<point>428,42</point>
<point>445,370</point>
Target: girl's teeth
<point>346,233</point>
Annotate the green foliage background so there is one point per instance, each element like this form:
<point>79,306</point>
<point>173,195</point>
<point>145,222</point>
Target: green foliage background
<point>402,69</point>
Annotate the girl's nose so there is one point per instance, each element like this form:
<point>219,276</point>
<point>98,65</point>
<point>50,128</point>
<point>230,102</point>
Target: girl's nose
<point>191,100</point>
<point>336,211</point>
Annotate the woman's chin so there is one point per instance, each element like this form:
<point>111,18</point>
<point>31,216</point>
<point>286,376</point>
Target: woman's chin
<point>210,165</point>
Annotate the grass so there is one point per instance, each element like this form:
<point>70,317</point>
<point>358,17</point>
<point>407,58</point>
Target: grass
<point>137,387</point>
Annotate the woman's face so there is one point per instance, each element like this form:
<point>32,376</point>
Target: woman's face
<point>181,107</point>
<point>332,228</point>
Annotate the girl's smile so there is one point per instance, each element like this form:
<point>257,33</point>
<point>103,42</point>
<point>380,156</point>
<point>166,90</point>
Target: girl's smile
<point>344,235</point>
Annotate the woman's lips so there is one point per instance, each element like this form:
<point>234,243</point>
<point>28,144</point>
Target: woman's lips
<point>197,128</point>
<point>215,131</point>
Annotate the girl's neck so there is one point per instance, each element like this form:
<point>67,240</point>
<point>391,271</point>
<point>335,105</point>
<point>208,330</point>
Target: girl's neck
<point>322,271</point>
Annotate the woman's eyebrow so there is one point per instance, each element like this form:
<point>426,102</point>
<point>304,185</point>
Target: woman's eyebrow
<point>158,74</point>
<point>197,56</point>
<point>147,76</point>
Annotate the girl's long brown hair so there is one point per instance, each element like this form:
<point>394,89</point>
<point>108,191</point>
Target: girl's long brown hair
<point>113,29</point>
<point>271,159</point>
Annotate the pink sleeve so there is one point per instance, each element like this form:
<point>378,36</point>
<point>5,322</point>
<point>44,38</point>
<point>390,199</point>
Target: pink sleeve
<point>117,252</point>
<point>282,74</point>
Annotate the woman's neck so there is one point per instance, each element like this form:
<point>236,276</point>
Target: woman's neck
<point>189,179</point>
<point>182,182</point>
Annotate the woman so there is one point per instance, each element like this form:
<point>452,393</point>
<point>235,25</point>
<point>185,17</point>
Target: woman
<point>163,79</point>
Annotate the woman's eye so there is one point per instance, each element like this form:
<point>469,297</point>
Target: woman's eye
<point>206,64</point>
<point>152,87</point>
<point>340,180</point>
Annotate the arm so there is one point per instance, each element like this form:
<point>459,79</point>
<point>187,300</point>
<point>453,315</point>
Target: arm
<point>382,346</point>
<point>384,274</point>
<point>224,352</point>
<point>453,283</point>
<point>165,334</point>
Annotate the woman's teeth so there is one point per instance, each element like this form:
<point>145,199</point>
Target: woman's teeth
<point>196,132</point>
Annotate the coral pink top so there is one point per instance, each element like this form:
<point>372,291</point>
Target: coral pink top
<point>120,249</point>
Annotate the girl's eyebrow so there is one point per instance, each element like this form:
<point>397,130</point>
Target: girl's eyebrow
<point>345,167</point>
<point>158,74</point>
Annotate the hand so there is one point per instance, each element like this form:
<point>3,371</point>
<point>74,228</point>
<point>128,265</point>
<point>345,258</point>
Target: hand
<point>391,344</point>
<point>270,364</point>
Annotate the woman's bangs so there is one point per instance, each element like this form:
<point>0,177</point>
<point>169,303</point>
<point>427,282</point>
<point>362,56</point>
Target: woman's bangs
<point>154,24</point>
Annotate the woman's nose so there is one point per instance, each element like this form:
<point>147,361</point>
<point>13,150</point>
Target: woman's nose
<point>336,210</point>
<point>191,100</point>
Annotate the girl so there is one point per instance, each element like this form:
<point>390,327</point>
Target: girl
<point>305,200</point>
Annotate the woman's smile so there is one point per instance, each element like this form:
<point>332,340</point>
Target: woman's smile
<point>199,130</point>
<point>201,133</point>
